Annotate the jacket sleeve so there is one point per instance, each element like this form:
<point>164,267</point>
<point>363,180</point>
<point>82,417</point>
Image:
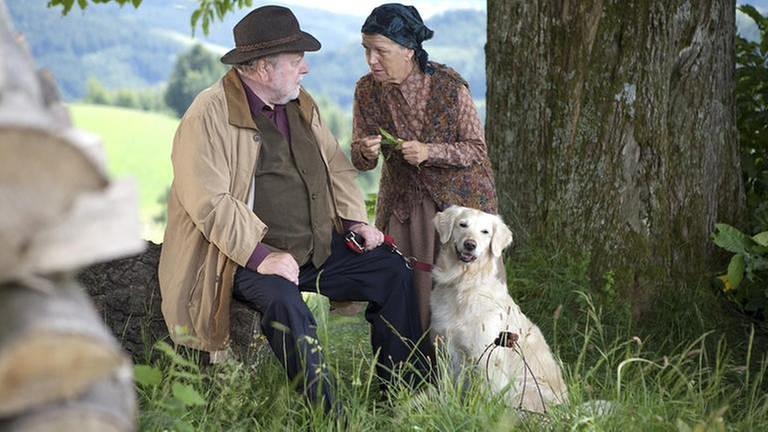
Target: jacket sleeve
<point>203,166</point>
<point>348,197</point>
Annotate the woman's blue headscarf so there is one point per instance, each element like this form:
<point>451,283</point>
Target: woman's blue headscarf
<point>404,25</point>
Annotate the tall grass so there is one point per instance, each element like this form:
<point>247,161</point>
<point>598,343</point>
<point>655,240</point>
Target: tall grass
<point>682,373</point>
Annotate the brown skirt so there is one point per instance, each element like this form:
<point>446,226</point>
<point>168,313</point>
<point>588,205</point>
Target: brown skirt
<point>416,237</point>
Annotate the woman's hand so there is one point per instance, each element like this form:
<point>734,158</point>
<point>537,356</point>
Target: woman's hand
<point>370,146</point>
<point>414,152</point>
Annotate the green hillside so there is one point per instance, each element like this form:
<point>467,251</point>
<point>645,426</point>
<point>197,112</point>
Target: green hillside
<point>125,47</point>
<point>128,48</point>
<point>138,145</point>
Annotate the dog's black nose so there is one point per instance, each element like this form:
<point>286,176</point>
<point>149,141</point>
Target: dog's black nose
<point>470,245</point>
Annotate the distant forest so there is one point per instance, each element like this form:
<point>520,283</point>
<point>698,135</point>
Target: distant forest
<point>127,48</point>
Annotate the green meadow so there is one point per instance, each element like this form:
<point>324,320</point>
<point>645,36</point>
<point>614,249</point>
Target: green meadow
<point>138,145</point>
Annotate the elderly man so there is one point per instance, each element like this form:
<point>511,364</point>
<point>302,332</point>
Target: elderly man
<point>261,197</point>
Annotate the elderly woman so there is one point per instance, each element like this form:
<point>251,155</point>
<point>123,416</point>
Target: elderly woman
<point>440,156</point>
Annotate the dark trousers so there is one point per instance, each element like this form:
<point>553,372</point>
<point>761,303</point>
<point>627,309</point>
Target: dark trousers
<point>378,277</point>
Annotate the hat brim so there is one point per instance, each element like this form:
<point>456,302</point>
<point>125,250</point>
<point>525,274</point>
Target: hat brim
<point>306,43</point>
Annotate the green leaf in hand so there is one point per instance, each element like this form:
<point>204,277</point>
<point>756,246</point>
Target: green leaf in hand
<point>388,139</point>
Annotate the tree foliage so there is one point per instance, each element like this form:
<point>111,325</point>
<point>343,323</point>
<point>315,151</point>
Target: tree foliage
<point>207,10</point>
<point>146,99</point>
<point>752,117</point>
<point>194,71</point>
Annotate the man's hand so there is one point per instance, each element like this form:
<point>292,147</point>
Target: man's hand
<point>414,152</point>
<point>370,146</point>
<point>280,264</point>
<point>373,237</point>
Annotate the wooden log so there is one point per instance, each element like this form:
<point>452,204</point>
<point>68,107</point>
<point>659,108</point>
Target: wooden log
<point>107,406</point>
<point>101,225</point>
<point>52,345</point>
<point>40,177</point>
<point>127,295</point>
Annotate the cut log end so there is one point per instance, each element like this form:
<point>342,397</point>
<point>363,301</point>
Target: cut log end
<point>108,405</point>
<point>43,368</point>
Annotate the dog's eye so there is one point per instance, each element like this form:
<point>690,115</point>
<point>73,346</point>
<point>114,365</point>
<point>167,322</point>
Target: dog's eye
<point>463,224</point>
<point>485,232</point>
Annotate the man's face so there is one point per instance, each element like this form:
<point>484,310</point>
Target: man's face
<point>389,61</point>
<point>285,76</point>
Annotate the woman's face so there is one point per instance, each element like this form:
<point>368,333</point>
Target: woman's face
<point>389,61</point>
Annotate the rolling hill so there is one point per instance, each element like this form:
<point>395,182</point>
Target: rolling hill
<point>135,48</point>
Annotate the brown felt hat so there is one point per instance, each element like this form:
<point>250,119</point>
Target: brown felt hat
<point>268,30</point>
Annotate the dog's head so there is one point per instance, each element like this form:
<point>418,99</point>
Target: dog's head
<point>472,233</point>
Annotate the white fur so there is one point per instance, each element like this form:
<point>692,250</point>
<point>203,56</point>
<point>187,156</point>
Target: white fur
<point>470,305</point>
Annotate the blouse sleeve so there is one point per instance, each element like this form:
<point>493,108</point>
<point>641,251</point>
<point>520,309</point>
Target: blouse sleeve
<point>358,133</point>
<point>470,146</point>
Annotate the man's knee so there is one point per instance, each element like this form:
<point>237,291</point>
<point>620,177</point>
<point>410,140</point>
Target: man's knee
<point>392,273</point>
<point>285,295</point>
<point>394,269</point>
<point>391,263</point>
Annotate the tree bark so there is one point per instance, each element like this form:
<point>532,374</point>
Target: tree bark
<point>611,126</point>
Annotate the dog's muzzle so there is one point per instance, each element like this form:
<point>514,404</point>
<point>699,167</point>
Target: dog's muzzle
<point>466,253</point>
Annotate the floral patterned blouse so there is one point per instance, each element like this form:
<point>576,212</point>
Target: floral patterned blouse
<point>411,115</point>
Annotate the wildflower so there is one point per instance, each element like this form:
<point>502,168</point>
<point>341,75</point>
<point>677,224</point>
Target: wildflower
<point>727,285</point>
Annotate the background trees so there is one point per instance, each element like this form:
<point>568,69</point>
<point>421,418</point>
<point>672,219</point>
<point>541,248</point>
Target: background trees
<point>752,117</point>
<point>194,71</point>
<point>612,128</point>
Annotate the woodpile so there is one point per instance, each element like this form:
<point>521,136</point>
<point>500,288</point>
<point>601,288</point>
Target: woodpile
<point>61,369</point>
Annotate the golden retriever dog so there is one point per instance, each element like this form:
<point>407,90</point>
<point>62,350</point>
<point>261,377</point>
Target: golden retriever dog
<point>476,319</point>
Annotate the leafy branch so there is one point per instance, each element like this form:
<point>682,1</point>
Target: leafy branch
<point>207,10</point>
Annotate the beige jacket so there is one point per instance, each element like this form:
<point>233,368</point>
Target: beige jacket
<point>211,226</point>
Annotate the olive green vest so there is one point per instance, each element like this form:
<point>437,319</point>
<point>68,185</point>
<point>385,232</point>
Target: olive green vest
<point>291,190</point>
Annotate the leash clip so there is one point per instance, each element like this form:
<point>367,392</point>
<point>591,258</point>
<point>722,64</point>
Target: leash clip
<point>389,241</point>
<point>354,242</point>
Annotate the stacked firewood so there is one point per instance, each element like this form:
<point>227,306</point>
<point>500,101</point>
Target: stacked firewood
<point>61,369</point>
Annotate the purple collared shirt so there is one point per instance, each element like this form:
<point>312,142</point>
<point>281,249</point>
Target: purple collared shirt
<point>277,115</point>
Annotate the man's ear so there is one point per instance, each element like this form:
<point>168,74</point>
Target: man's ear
<point>444,223</point>
<point>502,237</point>
<point>262,68</point>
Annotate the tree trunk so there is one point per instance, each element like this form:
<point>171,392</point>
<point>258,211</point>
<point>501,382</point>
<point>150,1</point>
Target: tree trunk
<point>611,125</point>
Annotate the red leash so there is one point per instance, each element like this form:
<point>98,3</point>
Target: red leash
<point>410,262</point>
<point>356,243</point>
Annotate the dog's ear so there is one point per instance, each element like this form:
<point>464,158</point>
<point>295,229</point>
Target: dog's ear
<point>502,237</point>
<point>444,223</point>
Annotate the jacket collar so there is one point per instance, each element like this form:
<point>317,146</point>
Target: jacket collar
<point>237,103</point>
<point>240,111</point>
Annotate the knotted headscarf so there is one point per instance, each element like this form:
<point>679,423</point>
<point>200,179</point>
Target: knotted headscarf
<point>404,25</point>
